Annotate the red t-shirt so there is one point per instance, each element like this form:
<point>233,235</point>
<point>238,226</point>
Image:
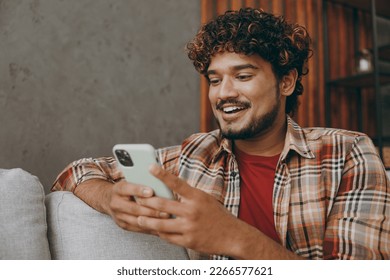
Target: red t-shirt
<point>257,175</point>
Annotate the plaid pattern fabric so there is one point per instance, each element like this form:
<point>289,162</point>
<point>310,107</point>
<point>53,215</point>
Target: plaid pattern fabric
<point>331,193</point>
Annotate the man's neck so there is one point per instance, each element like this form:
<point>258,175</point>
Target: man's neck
<point>269,143</point>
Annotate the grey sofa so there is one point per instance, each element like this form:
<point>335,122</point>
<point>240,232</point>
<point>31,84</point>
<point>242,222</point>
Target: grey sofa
<point>60,226</point>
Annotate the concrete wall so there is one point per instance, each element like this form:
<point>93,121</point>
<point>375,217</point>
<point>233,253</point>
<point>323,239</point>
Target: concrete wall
<point>78,76</point>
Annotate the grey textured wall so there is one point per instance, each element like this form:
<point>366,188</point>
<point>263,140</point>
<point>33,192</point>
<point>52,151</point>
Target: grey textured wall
<point>78,76</point>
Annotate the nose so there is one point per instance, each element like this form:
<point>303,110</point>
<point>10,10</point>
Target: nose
<point>227,89</point>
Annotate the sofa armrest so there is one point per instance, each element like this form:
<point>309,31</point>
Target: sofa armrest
<point>77,231</point>
<point>22,216</point>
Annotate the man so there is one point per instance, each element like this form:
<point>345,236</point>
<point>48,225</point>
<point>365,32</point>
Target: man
<point>260,187</point>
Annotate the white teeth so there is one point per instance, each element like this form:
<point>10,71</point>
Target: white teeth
<point>231,109</point>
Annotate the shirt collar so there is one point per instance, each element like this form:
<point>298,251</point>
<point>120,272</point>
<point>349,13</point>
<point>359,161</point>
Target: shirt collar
<point>295,140</point>
<point>225,146</point>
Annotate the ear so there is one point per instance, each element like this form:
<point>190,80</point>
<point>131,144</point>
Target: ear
<point>287,83</point>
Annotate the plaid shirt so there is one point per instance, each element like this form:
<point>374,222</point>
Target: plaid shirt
<point>331,195</point>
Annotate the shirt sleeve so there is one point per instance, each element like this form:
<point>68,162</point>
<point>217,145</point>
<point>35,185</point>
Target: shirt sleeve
<point>79,171</point>
<point>358,226</point>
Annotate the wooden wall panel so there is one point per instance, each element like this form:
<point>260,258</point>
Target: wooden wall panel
<point>298,12</point>
<point>208,11</point>
<point>341,52</point>
<point>345,110</point>
<point>278,7</point>
<point>368,95</point>
<point>311,111</point>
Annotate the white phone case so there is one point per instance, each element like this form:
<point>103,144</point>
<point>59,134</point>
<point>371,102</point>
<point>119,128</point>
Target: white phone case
<point>136,170</point>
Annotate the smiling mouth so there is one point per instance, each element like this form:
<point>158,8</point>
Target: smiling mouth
<point>231,106</point>
<point>232,109</point>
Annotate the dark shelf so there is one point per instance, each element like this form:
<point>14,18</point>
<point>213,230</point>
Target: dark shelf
<point>382,6</point>
<point>384,53</point>
<point>385,139</point>
<point>366,79</point>
<point>360,80</point>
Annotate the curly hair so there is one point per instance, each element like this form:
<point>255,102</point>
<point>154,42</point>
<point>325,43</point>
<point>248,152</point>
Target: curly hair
<point>250,31</point>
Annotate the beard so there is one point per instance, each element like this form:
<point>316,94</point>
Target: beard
<point>255,127</point>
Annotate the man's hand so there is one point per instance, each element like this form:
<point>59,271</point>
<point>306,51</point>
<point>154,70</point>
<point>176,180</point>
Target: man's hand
<point>201,222</point>
<point>119,201</point>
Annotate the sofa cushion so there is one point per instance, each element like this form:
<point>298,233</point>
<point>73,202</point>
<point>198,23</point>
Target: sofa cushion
<point>77,231</point>
<point>23,230</point>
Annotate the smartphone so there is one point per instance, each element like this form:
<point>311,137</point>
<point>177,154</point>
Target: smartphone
<point>134,161</point>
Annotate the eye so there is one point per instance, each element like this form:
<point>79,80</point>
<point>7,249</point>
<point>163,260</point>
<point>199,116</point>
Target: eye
<point>244,77</point>
<point>214,81</point>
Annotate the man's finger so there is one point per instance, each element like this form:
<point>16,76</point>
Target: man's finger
<point>161,205</point>
<point>173,182</point>
<point>127,189</point>
<point>159,225</point>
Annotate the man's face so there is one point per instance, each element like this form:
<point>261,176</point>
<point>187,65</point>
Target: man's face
<point>244,94</point>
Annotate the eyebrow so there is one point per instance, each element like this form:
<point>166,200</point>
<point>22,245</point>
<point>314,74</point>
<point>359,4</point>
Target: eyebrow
<point>235,68</point>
